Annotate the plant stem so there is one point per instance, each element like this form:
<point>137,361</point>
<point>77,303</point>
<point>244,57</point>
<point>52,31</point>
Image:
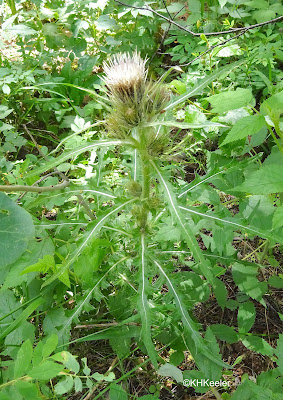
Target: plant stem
<point>146,180</point>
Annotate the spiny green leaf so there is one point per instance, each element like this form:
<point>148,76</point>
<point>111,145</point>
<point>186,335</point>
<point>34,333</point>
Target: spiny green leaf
<point>73,153</point>
<point>87,298</point>
<point>189,324</point>
<point>237,226</point>
<point>96,226</point>
<point>203,84</point>
<point>144,308</point>
<point>188,234</point>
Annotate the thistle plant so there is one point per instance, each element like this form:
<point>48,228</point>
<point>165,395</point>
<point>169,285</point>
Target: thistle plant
<point>158,294</point>
<point>137,104</point>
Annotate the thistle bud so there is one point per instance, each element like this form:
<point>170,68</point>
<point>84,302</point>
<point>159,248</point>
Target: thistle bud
<point>134,188</point>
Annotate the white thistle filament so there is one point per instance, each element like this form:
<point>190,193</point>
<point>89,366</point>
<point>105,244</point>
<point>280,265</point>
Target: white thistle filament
<point>125,72</point>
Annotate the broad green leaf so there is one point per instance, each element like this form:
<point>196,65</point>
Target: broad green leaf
<point>279,353</point>
<point>117,392</point>
<point>144,308</point>
<point>246,316</point>
<point>273,104</point>
<point>22,30</point>
<point>273,107</point>
<point>95,228</point>
<point>256,343</point>
<point>277,220</point>
<point>4,111</point>
<point>198,88</point>
<point>245,277</point>
<point>245,127</point>
<point>50,345</point>
<point>224,332</point>
<point>28,390</point>
<point>211,370</point>
<point>268,179</point>
<point>16,229</point>
<point>23,360</point>
<point>172,371</point>
<point>37,354</point>
<point>193,379</point>
<point>121,346</point>
<point>188,234</point>
<point>9,306</point>
<point>6,89</point>
<point>64,386</point>
<point>109,377</point>
<point>230,100</point>
<point>276,281</point>
<point>46,370</point>
<point>264,15</point>
<point>78,384</point>
<point>70,362</point>
<point>220,292</point>
<point>43,265</point>
<point>73,153</point>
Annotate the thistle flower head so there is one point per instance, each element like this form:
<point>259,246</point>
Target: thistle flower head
<point>134,100</point>
<point>125,73</point>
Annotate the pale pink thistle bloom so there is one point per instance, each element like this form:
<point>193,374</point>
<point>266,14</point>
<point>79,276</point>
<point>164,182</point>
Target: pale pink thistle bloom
<point>125,73</point>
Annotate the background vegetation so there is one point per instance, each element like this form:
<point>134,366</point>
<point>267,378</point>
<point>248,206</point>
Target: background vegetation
<point>129,267</point>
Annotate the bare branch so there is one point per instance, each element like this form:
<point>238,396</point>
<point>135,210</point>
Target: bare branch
<point>171,21</point>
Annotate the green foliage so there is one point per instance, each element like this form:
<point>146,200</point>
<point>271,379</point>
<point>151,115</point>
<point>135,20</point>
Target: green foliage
<point>152,223</point>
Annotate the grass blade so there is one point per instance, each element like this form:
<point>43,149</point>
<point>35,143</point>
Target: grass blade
<point>23,316</point>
